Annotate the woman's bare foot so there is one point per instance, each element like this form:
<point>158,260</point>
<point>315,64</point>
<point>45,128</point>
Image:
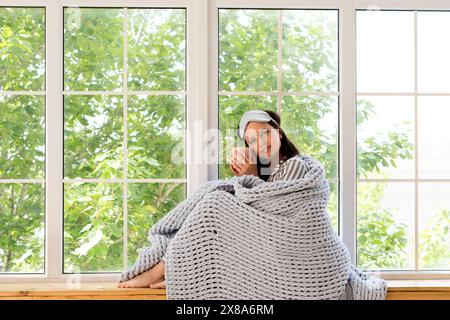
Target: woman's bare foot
<point>159,285</point>
<point>144,280</point>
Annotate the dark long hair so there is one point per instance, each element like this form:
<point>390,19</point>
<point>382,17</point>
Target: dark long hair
<point>287,148</point>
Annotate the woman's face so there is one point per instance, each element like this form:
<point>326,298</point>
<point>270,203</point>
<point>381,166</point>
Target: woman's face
<point>263,139</point>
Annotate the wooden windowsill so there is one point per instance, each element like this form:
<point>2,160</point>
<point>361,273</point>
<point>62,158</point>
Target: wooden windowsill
<point>86,290</point>
<point>397,290</point>
<point>418,290</point>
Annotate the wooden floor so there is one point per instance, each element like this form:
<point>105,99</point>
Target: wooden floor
<point>398,290</point>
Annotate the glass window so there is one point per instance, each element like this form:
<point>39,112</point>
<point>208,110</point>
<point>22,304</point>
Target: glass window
<point>402,113</point>
<point>118,127</point>
<point>22,139</point>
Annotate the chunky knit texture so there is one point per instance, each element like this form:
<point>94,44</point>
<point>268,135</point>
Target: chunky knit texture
<point>244,238</point>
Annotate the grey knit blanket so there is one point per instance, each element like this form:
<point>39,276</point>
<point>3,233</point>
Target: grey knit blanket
<point>244,238</point>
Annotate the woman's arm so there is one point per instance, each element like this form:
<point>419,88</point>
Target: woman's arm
<point>293,168</point>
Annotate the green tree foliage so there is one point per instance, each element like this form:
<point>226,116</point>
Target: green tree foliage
<point>22,49</point>
<point>93,227</point>
<point>22,140</point>
<point>382,242</point>
<point>94,134</point>
<point>93,49</point>
<point>94,43</point>
<point>434,242</point>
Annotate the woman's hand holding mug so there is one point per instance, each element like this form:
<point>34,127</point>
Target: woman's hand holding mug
<point>243,161</point>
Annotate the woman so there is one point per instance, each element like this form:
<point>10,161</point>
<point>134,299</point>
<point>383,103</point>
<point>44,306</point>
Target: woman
<point>268,153</point>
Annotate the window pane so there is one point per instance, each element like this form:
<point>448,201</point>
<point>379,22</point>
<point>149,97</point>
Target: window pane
<point>22,49</point>
<point>385,51</point>
<point>231,108</point>
<point>22,227</point>
<point>385,137</point>
<point>385,226</point>
<point>22,137</point>
<point>434,226</point>
<point>156,127</point>
<point>434,137</point>
<point>93,227</point>
<point>93,137</point>
<point>248,50</point>
<point>311,123</point>
<point>433,51</point>
<point>156,49</point>
<point>93,49</point>
<point>310,50</point>
<point>147,204</point>
<point>22,140</point>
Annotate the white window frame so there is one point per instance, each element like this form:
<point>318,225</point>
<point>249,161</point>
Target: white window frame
<point>202,108</point>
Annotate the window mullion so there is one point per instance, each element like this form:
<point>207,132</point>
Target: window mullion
<point>213,99</point>
<point>54,141</point>
<point>197,94</point>
<point>416,155</point>
<point>125,138</point>
<point>280,62</point>
<point>347,125</point>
